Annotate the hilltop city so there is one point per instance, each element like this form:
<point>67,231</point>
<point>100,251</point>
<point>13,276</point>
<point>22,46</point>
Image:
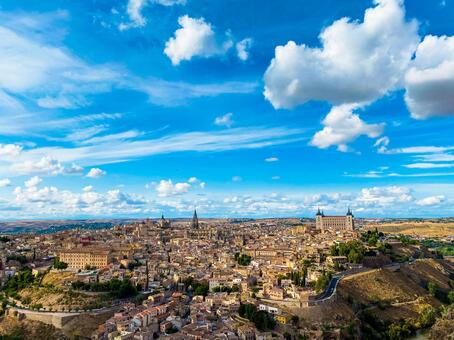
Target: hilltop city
<point>226,169</point>
<point>327,277</point>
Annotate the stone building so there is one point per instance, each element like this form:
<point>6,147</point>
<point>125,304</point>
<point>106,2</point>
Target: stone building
<point>79,258</point>
<point>163,223</point>
<point>324,222</point>
<point>195,221</point>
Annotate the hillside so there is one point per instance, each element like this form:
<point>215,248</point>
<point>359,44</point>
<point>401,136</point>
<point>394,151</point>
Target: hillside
<point>426,229</point>
<point>430,270</point>
<point>52,298</point>
<point>444,327</point>
<point>392,295</point>
<point>12,328</point>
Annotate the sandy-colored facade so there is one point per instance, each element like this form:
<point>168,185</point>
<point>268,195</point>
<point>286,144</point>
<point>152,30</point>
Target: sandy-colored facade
<point>324,222</point>
<point>80,258</point>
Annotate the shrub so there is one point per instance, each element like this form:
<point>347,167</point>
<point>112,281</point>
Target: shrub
<point>59,264</point>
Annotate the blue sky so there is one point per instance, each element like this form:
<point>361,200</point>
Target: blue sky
<point>238,108</point>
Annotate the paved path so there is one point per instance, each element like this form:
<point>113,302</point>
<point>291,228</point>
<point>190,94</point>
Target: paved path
<point>332,286</point>
<point>330,290</point>
<point>28,311</point>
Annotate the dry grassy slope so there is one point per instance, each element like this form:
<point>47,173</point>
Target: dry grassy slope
<point>444,327</point>
<point>57,299</point>
<point>84,325</point>
<point>379,285</point>
<point>32,329</point>
<point>58,294</point>
<point>58,278</point>
<point>430,270</point>
<point>427,229</point>
<point>407,250</point>
<point>403,289</point>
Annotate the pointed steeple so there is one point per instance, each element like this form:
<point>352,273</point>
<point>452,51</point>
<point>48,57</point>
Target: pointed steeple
<point>318,212</point>
<point>195,220</point>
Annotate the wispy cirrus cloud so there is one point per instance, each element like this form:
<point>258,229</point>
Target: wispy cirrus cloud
<point>174,93</point>
<point>375,174</point>
<point>113,149</point>
<point>382,145</point>
<point>429,165</point>
<point>427,156</point>
<point>436,157</point>
<point>39,75</point>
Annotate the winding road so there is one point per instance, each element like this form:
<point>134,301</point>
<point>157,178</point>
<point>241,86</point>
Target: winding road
<point>330,290</point>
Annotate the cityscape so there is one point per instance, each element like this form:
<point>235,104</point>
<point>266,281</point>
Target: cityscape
<point>326,277</point>
<point>228,170</point>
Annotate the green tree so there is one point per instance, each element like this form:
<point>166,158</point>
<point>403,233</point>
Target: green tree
<point>19,258</point>
<point>427,317</point>
<point>201,288</point>
<point>354,257</point>
<point>261,319</point>
<point>432,288</point>
<point>451,297</point>
<point>295,320</point>
<point>322,282</point>
<point>59,264</point>
<point>354,250</point>
<point>244,260</point>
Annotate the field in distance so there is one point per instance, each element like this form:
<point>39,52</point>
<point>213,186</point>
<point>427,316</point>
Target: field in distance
<point>424,229</point>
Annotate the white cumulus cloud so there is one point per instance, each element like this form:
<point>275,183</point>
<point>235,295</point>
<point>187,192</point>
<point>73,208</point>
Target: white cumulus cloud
<point>342,126</point>
<point>10,149</point>
<point>242,48</point>
<point>87,188</point>
<point>357,63</point>
<point>45,166</point>
<point>429,82</point>
<point>431,200</point>
<point>33,182</point>
<point>96,173</point>
<point>384,196</point>
<point>134,10</point>
<point>135,7</point>
<point>52,201</point>
<point>168,188</point>
<point>5,182</point>
<point>225,120</point>
<point>196,37</point>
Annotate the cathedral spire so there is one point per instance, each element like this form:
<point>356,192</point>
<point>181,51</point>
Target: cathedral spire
<point>195,220</point>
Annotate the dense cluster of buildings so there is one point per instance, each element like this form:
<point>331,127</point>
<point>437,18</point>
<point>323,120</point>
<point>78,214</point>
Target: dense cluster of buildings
<point>235,261</point>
